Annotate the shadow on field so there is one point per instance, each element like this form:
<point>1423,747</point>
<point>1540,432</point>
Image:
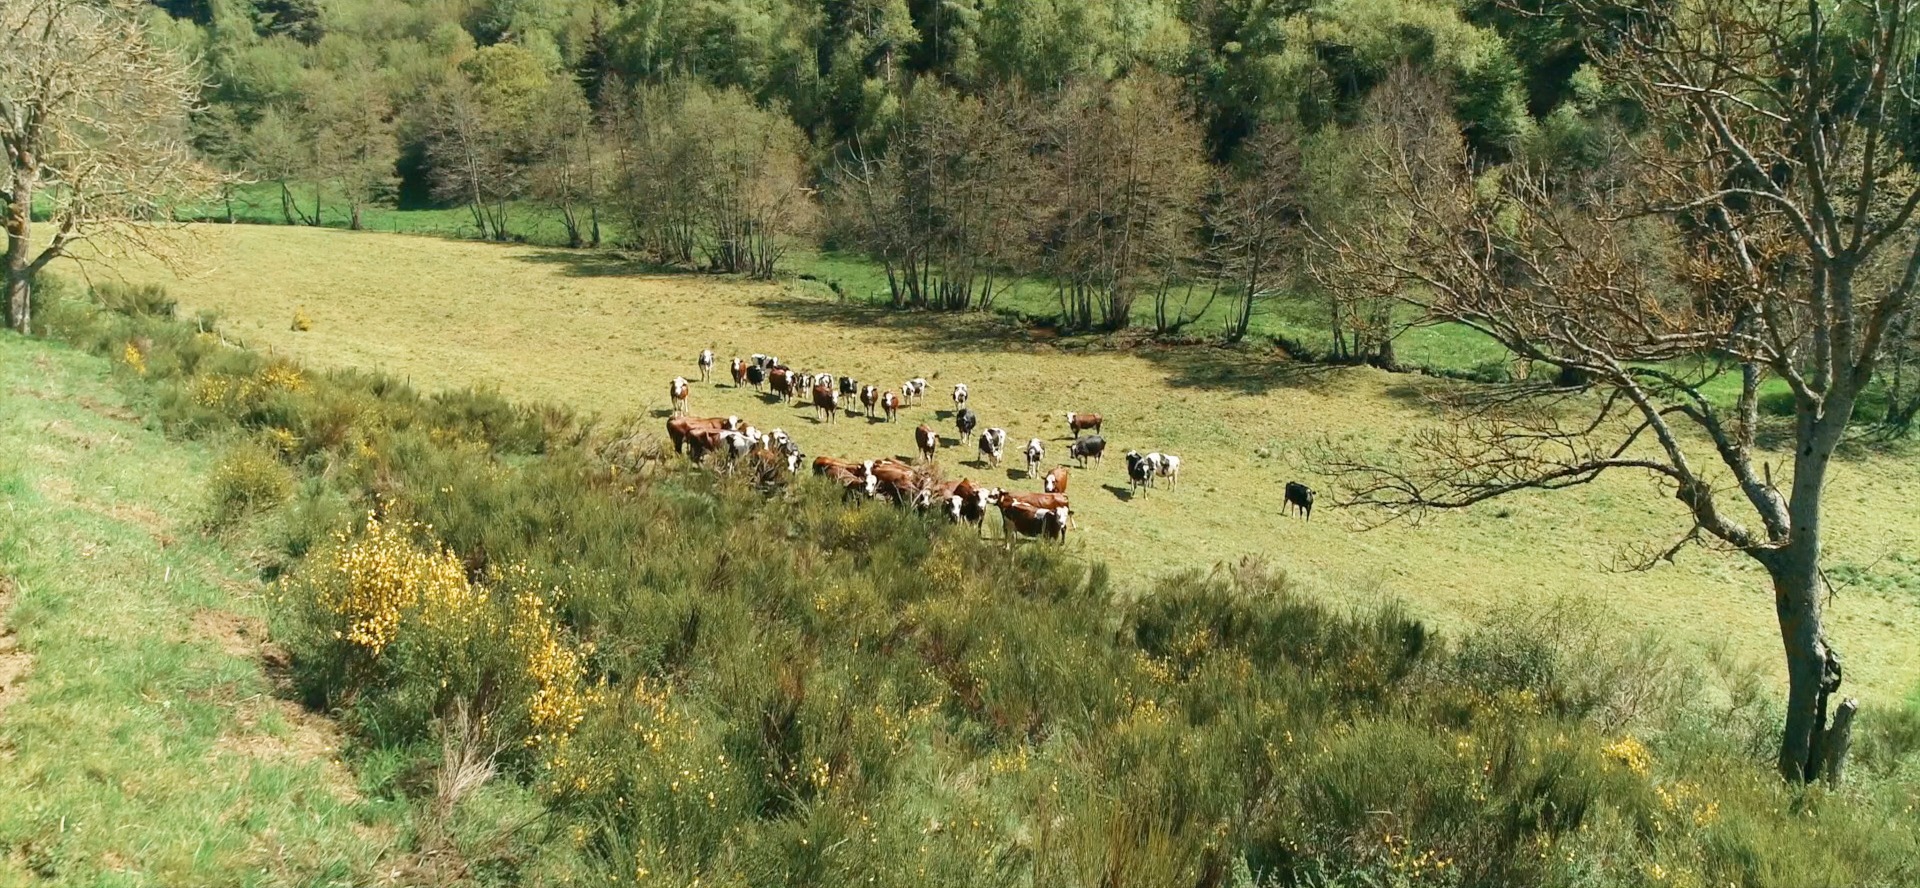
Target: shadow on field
<point>927,330</point>
<point>1122,494</point>
<point>1230,369</point>
<point>598,263</point>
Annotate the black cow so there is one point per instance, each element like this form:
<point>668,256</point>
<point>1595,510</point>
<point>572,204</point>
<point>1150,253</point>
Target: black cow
<point>1092,447</point>
<point>1139,471</point>
<point>965,421</point>
<point>849,387</point>
<point>1299,498</point>
<point>756,376</point>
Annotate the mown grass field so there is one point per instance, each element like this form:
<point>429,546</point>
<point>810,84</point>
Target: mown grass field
<point>586,330</point>
<point>140,741</point>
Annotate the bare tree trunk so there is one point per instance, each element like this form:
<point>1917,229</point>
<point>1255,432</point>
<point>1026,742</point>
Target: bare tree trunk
<point>19,247</point>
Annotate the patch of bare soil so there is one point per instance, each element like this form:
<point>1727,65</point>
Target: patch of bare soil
<point>14,662</point>
<point>309,736</point>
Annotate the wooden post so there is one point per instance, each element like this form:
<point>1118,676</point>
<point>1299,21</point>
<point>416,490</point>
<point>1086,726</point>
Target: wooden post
<point>1839,737</point>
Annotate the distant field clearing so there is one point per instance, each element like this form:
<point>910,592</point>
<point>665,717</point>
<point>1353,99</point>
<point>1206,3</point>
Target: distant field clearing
<point>577,328</point>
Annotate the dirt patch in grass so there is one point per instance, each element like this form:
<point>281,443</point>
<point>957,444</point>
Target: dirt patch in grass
<point>14,662</point>
<point>305,735</point>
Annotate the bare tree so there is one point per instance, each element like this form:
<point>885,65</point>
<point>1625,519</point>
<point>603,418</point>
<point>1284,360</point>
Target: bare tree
<point>1123,181</point>
<point>93,118</point>
<point>1759,228</point>
<point>353,143</point>
<point>1255,224</point>
<point>566,173</point>
<point>944,208</point>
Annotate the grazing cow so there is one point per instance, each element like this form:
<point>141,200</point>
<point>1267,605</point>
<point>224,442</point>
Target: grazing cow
<point>738,368</point>
<point>1031,521</point>
<point>678,392</point>
<point>825,401</point>
<point>1083,422</point>
<point>993,444</point>
<point>1300,499</point>
<point>849,387</point>
<point>756,376</point>
<point>706,364</point>
<point>959,395</point>
<point>890,405</point>
<point>869,396</point>
<point>1169,468</point>
<point>1139,471</point>
<point>1056,480</point>
<point>926,440</point>
<point>914,389</point>
<point>1092,447</point>
<point>965,421</point>
<point>680,429</point>
<point>824,464</point>
<point>1036,452</point>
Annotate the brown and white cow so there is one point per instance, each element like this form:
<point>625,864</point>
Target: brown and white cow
<point>1032,521</point>
<point>1083,422</point>
<point>869,398</point>
<point>680,428</point>
<point>825,401</point>
<point>890,405</point>
<point>739,369</point>
<point>678,391</point>
<point>896,481</point>
<point>780,379</point>
<point>925,439</point>
<point>1056,480</point>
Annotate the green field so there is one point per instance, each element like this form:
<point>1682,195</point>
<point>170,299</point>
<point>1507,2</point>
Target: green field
<point>585,329</point>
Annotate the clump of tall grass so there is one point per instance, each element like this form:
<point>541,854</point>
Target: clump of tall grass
<point>743,688</point>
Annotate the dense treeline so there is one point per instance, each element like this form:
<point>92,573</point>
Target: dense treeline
<point>1123,151</point>
<point>574,660</point>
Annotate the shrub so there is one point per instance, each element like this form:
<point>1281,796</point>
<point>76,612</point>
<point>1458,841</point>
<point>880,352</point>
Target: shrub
<point>301,323</point>
<point>246,481</point>
<point>135,300</point>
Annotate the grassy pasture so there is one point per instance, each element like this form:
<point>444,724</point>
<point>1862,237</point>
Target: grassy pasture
<point>584,329</point>
<point>140,743</point>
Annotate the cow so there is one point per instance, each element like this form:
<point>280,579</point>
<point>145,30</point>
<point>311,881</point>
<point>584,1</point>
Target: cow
<point>678,392</point>
<point>706,364</point>
<point>781,380</point>
<point>1056,480</point>
<point>1031,521</point>
<point>782,442</point>
<point>914,389</point>
<point>964,422</point>
<point>849,386</point>
<point>1139,471</point>
<point>1300,499</point>
<point>926,441</point>
<point>959,396</point>
<point>1092,447</point>
<point>1083,422</point>
<point>993,445</point>
<point>890,405</point>
<point>756,376</point>
<point>869,397</point>
<point>897,482</point>
<point>963,501</point>
<point>738,368</point>
<point>825,464</point>
<point>680,429</point>
<point>765,362</point>
<point>1036,452</point>
<point>825,401</point>
<point>1169,469</point>
<point>859,486</point>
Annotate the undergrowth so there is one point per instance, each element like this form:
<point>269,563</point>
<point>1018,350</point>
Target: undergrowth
<point>695,681</point>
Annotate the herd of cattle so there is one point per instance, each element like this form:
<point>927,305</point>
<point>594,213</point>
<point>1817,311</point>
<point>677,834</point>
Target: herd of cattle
<point>774,455</point>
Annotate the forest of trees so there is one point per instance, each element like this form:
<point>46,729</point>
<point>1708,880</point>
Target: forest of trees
<point>1126,152</point>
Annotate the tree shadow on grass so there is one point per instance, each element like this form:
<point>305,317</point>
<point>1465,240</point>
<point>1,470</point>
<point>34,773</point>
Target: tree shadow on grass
<point>600,263</point>
<point>925,330</point>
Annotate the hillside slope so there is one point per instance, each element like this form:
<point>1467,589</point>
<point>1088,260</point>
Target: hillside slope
<point>583,329</point>
<point>141,742</point>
